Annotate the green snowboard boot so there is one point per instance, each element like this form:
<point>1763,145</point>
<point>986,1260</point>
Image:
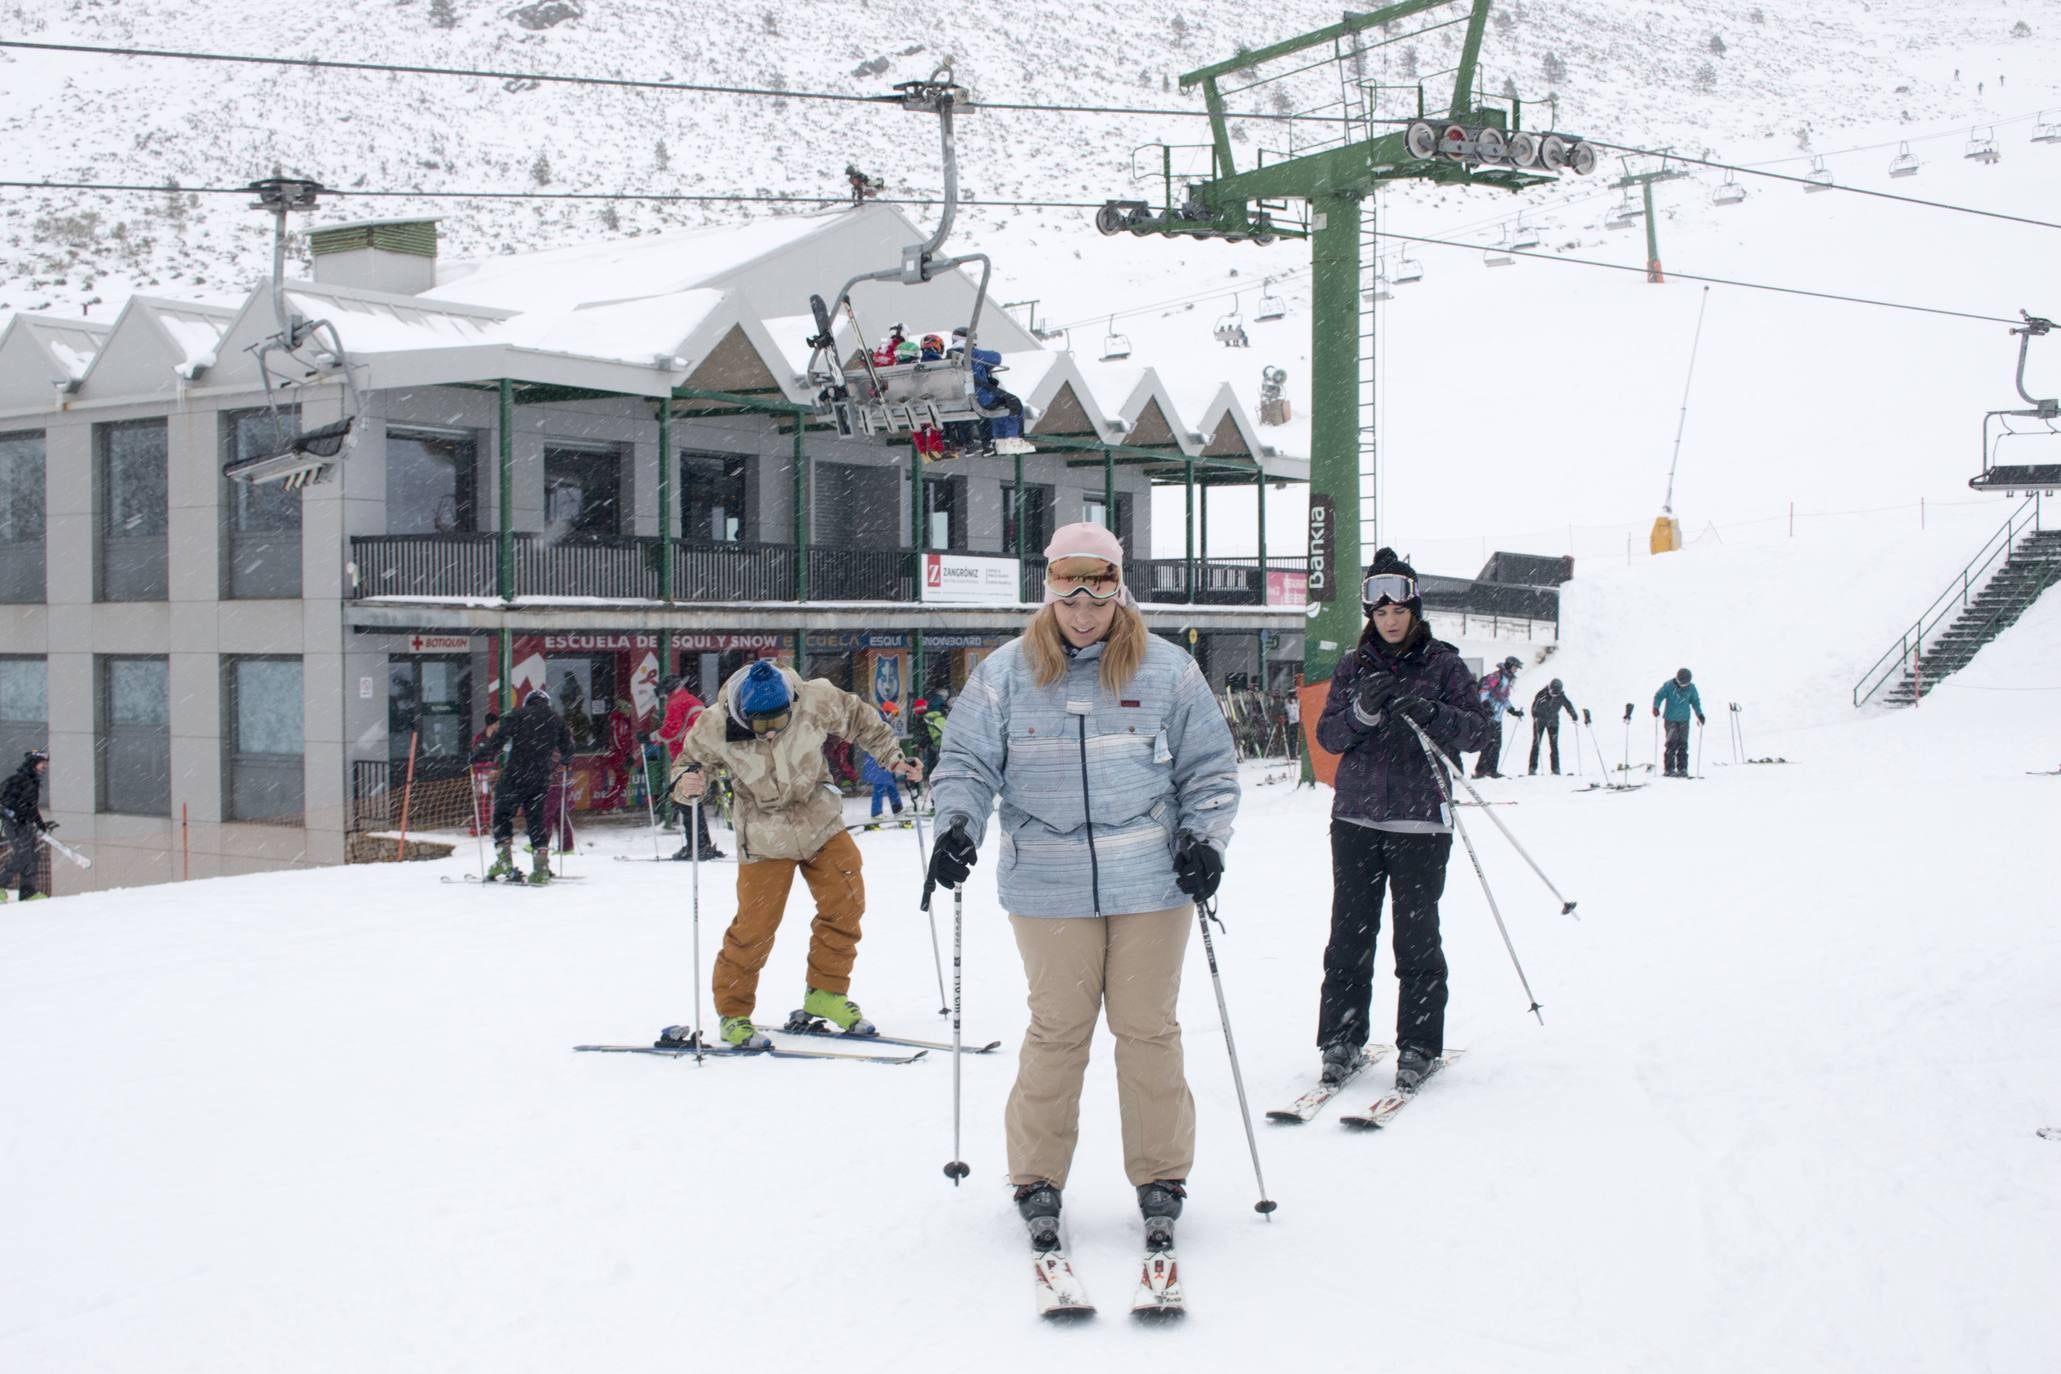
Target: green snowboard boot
<point>540,874</point>
<point>504,863</point>
<point>739,1034</point>
<point>839,1010</point>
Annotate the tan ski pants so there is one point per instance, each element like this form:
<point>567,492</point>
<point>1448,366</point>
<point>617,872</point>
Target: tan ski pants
<point>834,879</point>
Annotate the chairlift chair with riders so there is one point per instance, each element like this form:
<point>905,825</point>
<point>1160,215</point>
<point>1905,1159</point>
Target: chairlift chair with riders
<point>914,396</point>
<point>1819,177</point>
<point>1115,347</point>
<point>2048,129</point>
<point>303,353</point>
<point>1905,163</point>
<point>1271,306</point>
<point>1729,192</point>
<point>1982,146</point>
<point>1230,329</point>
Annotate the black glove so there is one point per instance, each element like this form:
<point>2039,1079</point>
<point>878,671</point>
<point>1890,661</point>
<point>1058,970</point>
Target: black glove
<point>1376,691</point>
<point>1418,709</point>
<point>1198,867</point>
<point>1699,722</point>
<point>1517,713</point>
<point>49,826</point>
<point>1585,716</point>
<point>953,856</point>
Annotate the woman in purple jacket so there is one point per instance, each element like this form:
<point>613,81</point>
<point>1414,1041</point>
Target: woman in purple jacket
<point>1389,822</point>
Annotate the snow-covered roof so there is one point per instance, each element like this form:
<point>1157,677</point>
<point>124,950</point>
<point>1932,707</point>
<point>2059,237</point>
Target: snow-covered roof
<point>717,309</point>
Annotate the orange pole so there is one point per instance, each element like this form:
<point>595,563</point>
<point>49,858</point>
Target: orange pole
<point>407,796</point>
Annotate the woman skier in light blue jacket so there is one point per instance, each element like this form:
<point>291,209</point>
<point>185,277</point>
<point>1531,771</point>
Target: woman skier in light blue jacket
<point>1118,784</point>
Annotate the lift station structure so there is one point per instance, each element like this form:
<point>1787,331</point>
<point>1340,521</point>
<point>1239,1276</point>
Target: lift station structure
<point>1374,123</point>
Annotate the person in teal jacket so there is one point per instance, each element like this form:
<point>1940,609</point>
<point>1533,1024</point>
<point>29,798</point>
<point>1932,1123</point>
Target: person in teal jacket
<point>1676,701</point>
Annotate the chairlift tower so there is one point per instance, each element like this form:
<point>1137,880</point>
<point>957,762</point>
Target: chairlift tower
<point>1643,183</point>
<point>1386,131</point>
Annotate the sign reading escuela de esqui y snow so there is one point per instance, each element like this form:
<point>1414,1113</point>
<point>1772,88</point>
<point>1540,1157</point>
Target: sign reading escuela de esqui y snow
<point>959,580</point>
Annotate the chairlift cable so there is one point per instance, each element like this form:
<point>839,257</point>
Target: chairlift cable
<point>1717,281</point>
<point>681,197</point>
<point>1836,186</point>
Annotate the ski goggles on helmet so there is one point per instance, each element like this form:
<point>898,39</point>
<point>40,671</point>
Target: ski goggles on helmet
<point>1387,587</point>
<point>769,725</point>
<point>1096,586</point>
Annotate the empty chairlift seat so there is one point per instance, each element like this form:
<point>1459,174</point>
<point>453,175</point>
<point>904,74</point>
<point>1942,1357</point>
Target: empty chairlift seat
<point>2048,130</point>
<point>1271,306</point>
<point>1729,192</point>
<point>1407,269</point>
<point>1115,347</point>
<point>1905,163</point>
<point>1819,178</point>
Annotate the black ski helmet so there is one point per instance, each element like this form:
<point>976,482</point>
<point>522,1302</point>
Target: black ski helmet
<point>1556,685</point>
<point>36,756</point>
<point>537,694</point>
<point>1682,676</point>
<point>1511,664</point>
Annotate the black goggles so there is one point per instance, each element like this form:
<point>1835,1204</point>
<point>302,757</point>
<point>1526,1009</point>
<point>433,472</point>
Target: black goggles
<point>1387,587</point>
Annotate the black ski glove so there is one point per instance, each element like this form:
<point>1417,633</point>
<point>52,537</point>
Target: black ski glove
<point>1585,715</point>
<point>953,856</point>
<point>49,826</point>
<point>1376,691</point>
<point>1198,867</point>
<point>1517,713</point>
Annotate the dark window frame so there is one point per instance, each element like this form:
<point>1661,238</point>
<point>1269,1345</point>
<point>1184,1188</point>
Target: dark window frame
<point>694,514</point>
<point>19,734</point>
<point>283,782</point>
<point>1040,500</point>
<point>261,545</point>
<point>109,736</point>
<point>584,454</point>
<point>24,526</point>
<point>105,436</point>
<point>464,499</point>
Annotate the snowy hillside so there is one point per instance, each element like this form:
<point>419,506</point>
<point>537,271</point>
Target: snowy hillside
<point>1781,1114</point>
<point>1532,408</point>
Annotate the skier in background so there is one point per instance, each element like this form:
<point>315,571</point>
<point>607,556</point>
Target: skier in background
<point>1495,695</point>
<point>767,727</point>
<point>621,760</point>
<point>1545,721</point>
<point>1104,850</point>
<point>683,708</point>
<point>1676,701</point>
<point>1003,433</point>
<point>1389,822</point>
<point>21,820</point>
<point>536,740</point>
<point>876,775</point>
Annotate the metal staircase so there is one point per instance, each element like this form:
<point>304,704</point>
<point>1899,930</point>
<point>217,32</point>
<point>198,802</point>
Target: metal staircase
<point>2020,562</point>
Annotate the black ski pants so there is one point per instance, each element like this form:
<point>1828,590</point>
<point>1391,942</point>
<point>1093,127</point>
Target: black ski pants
<point>525,795</point>
<point>1491,753</point>
<point>1363,863</point>
<point>1548,730</point>
<point>20,868</point>
<point>1675,754</point>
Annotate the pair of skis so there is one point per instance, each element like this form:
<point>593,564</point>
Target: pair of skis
<point>677,1041</point>
<point>1062,1297</point>
<point>1384,1109</point>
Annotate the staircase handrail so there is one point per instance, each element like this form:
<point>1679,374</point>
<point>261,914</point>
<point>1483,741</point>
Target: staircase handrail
<point>1964,586</point>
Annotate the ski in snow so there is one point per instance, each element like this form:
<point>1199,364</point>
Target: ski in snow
<point>1384,1110</point>
<point>1159,1289</point>
<point>1062,1297</point>
<point>1306,1107</point>
<point>669,859</point>
<point>681,1051</point>
<point>1611,787</point>
<point>478,881</point>
<point>798,1024</point>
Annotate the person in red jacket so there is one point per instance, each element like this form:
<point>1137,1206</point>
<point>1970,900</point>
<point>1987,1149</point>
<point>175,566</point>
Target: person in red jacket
<point>621,757</point>
<point>683,708</point>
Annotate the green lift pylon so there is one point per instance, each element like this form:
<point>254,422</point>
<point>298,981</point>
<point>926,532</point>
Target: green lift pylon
<point>1467,143</point>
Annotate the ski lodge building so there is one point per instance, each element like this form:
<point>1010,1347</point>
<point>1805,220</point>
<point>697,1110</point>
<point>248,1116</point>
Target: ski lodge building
<point>575,469</point>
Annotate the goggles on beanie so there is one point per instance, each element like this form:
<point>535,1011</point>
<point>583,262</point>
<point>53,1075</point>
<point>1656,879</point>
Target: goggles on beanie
<point>1387,587</point>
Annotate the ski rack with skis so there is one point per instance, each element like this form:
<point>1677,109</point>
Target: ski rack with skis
<point>905,397</point>
<point>300,457</point>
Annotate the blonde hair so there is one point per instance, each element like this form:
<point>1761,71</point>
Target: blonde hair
<point>1123,648</point>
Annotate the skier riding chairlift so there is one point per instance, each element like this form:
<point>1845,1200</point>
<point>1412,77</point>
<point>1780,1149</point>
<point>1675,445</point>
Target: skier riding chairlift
<point>1230,329</point>
<point>905,397</point>
<point>1982,146</point>
<point>303,457</point>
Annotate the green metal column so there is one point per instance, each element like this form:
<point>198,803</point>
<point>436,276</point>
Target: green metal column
<point>922,543</point>
<point>1109,493</point>
<point>1016,499</point>
<point>665,530</point>
<point>803,527</point>
<point>1334,441</point>
<point>1202,530</point>
<point>504,542</point>
<point>1259,485</point>
<point>1188,557</point>
<point>1652,236</point>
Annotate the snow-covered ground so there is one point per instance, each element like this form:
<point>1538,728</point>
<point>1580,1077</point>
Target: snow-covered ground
<point>1781,1114</point>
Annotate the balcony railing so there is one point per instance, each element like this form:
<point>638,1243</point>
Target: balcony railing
<point>455,566</point>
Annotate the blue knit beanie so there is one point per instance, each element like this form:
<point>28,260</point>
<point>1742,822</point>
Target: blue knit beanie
<point>763,691</point>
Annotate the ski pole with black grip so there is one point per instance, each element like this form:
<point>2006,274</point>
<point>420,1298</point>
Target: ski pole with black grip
<point>1206,911</point>
<point>1436,755</point>
<point>956,1169</point>
<point>936,959</point>
<point>1627,769</point>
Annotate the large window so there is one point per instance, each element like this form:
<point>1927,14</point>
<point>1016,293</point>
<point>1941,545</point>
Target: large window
<point>21,518</point>
<point>1096,513</point>
<point>432,479</point>
<point>583,492</point>
<point>712,495</point>
<point>429,697</point>
<point>859,507</point>
<point>262,739</point>
<point>261,548</point>
<point>1037,519</point>
<point>944,505</point>
<point>129,498</point>
<point>132,741</point>
<point>24,708</point>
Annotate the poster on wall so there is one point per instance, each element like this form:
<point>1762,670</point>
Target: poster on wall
<point>644,684</point>
<point>1287,588</point>
<point>881,676</point>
